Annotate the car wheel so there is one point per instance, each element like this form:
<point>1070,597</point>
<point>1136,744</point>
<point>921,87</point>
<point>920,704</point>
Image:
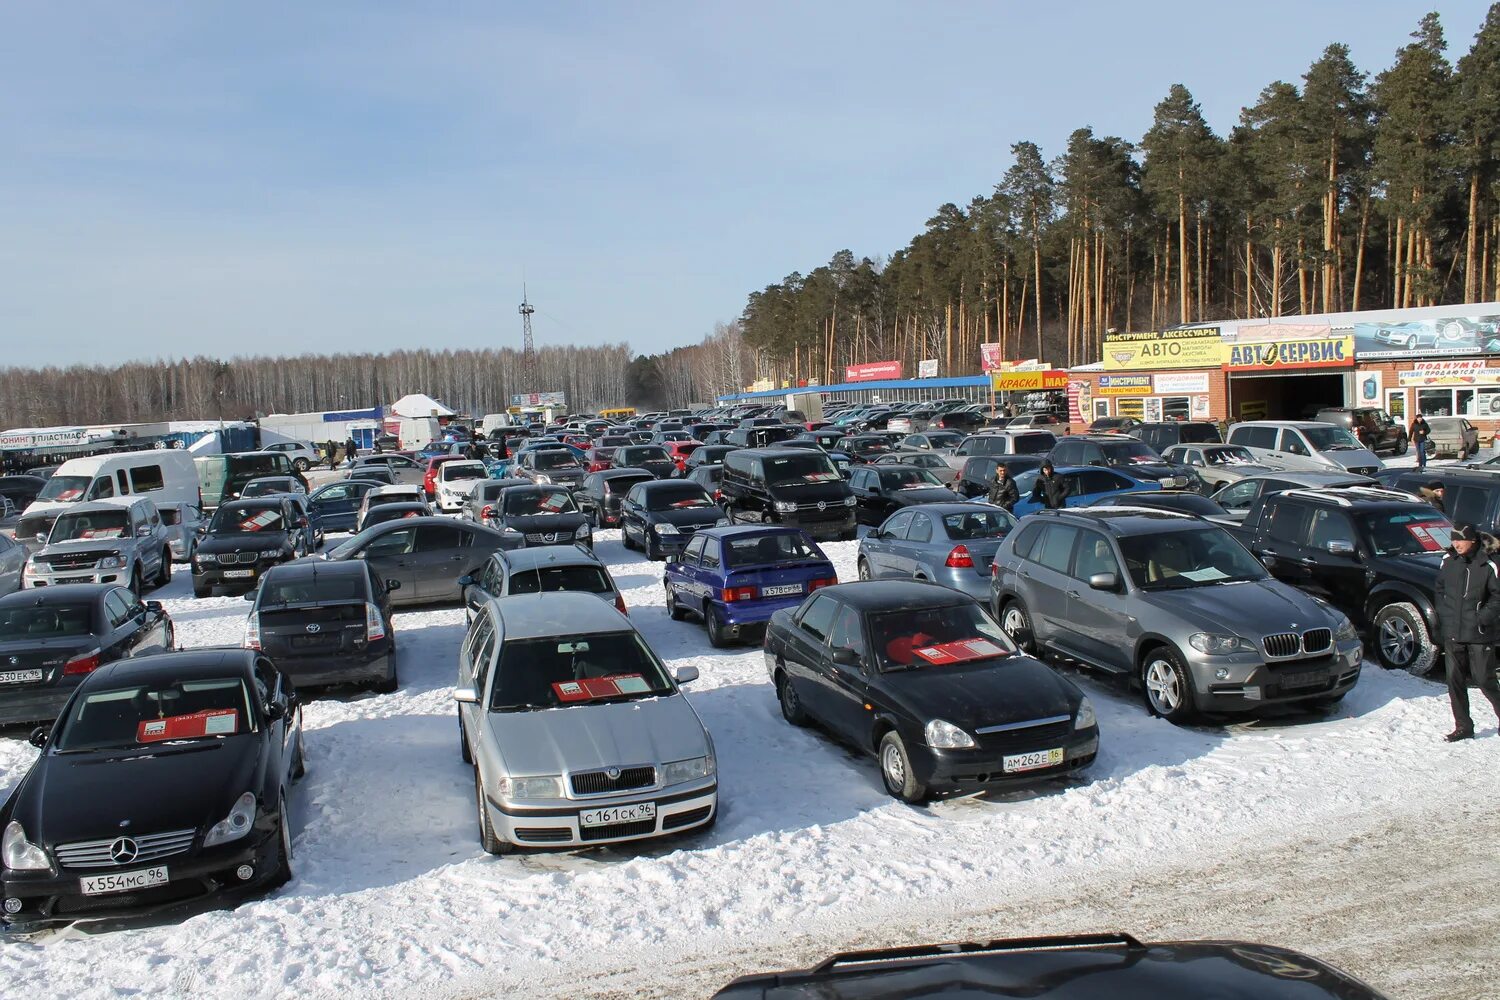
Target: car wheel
<point>896,772</point>
<point>387,685</point>
<point>651,550</point>
<point>718,633</point>
<point>864,569</point>
<point>301,464</point>
<point>463,742</point>
<point>1169,689</point>
<point>487,839</point>
<point>164,575</point>
<point>1402,641</point>
<point>674,612</point>
<point>625,537</point>
<point>137,585</point>
<point>283,873</point>
<point>791,706</point>
<point>1402,443</point>
<point>1017,624</point>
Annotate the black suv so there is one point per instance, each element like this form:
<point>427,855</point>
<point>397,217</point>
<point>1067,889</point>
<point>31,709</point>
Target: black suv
<point>795,486</point>
<point>244,540</point>
<point>1122,452</point>
<point>1374,427</point>
<point>1372,553</point>
<point>1164,435</point>
<point>1471,494</point>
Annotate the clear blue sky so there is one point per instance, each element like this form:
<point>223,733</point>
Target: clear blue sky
<point>192,177</point>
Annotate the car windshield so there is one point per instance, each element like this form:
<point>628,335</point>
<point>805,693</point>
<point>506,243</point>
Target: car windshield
<point>454,471</point>
<point>978,524</point>
<point>614,441</point>
<point>237,520</point>
<point>525,502</point>
<point>165,712</point>
<point>552,673</point>
<point>549,579</point>
<point>1228,455</point>
<point>800,470</point>
<point>866,446</point>
<point>65,487</point>
<point>765,550</point>
<point>374,500</point>
<point>94,524</point>
<point>944,440</point>
<point>46,621</point>
<point>678,497</point>
<point>634,454</point>
<point>622,484</point>
<point>934,637</point>
<point>1128,453</point>
<point>307,588</point>
<point>556,460</point>
<point>907,479</point>
<point>1192,557</point>
<point>1407,532</point>
<point>1326,437</point>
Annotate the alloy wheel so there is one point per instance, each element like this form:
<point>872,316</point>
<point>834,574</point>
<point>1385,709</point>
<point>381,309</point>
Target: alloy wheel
<point>1162,687</point>
<point>1397,640</point>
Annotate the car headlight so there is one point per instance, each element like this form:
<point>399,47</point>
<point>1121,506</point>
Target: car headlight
<point>1345,632</point>
<point>785,507</point>
<point>582,531</point>
<point>539,478</point>
<point>31,569</point>
<point>20,854</point>
<point>234,826</point>
<point>667,529</point>
<point>510,530</point>
<point>112,561</point>
<point>849,501</point>
<point>1085,719</point>
<point>943,735</point>
<point>547,786</point>
<point>1219,645</point>
<point>687,770</point>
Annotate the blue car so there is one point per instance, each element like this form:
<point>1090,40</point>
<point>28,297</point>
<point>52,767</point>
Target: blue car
<point>1086,483</point>
<point>337,504</point>
<point>734,578</point>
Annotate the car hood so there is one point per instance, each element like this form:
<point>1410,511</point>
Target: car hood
<point>1233,473</point>
<point>588,737</point>
<point>100,545</point>
<point>92,796</point>
<point>544,522</point>
<point>1015,688</point>
<point>1253,609</point>
<point>242,541</point>
<point>1154,470</point>
<point>711,514</point>
<point>927,494</point>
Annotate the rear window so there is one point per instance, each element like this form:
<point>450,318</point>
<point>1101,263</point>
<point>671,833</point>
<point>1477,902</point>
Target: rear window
<point>452,472</point>
<point>1254,437</point>
<point>1034,444</point>
<point>550,579</point>
<point>769,549</point>
<point>978,524</point>
<point>306,588</point>
<point>46,622</point>
<point>622,484</point>
<point>1197,433</point>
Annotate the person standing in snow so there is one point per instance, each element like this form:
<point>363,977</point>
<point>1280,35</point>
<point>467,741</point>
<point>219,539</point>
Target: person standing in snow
<point>1467,599</point>
<point>1050,491</point>
<point>1418,434</point>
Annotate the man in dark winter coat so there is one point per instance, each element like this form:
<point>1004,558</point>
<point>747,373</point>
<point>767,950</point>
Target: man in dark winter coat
<point>1418,433</point>
<point>333,455</point>
<point>1003,492</point>
<point>1050,491</point>
<point>1467,598</point>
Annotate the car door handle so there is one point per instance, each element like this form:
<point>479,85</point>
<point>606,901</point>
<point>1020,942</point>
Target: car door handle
<point>1074,593</point>
<point>1269,554</point>
<point>1308,561</point>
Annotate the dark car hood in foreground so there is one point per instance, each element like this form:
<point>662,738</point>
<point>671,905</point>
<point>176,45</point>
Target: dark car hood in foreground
<point>243,542</point>
<point>91,796</point>
<point>530,523</point>
<point>1015,688</point>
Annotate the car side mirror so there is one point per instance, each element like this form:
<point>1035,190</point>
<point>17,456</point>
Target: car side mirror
<point>275,710</point>
<point>1268,560</point>
<point>39,736</point>
<point>154,606</point>
<point>250,596</point>
<point>1340,547</point>
<point>846,657</point>
<point>1104,581</point>
<point>463,581</point>
<point>686,675</point>
<point>41,538</point>
<point>466,696</point>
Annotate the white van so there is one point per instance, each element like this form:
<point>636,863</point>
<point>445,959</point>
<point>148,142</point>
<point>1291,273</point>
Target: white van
<point>1305,445</point>
<point>166,476</point>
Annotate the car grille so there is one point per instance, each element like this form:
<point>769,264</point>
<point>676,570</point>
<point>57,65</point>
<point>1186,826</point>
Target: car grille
<point>545,537</point>
<point>688,818</point>
<point>79,560</point>
<point>96,853</point>
<point>1044,736</point>
<point>1314,640</point>
<point>636,829</point>
<point>830,511</point>
<point>600,783</point>
<point>233,558</point>
<point>1365,470</point>
<point>543,834</point>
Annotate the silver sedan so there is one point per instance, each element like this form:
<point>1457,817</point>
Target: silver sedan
<point>952,544</point>
<point>933,461</point>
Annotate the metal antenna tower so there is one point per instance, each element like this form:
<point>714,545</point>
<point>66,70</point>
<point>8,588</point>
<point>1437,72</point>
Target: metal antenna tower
<point>528,348</point>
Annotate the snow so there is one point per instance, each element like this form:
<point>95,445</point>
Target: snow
<point>392,894</point>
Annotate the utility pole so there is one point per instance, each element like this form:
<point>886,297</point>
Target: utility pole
<point>528,348</point>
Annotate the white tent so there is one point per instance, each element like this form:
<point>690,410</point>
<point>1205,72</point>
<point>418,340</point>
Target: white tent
<point>419,405</point>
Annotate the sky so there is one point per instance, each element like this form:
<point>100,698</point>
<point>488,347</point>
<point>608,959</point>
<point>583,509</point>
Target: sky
<point>279,178</point>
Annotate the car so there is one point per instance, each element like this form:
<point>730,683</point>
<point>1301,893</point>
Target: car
<point>430,475</point>
<point>1306,446</point>
<point>1182,501</point>
<point>933,463</point>
<point>1452,436</point>
<point>734,578</point>
<point>1238,498</point>
<point>922,678</point>
<point>400,468</point>
<point>120,540</point>
<point>541,569</point>
<point>424,555</point>
<point>709,454</point>
<point>338,503</point>
<point>796,486</point>
<point>827,438</point>
<point>993,444</point>
<point>21,490</point>
<point>12,563</point>
<point>1112,965</point>
<point>382,495</point>
<point>950,544</point>
<point>303,455</point>
<point>453,482</point>
<point>709,477</point>
<point>577,732</point>
<point>1114,425</point>
<point>680,451</point>
<point>940,441</point>
<point>309,519</point>
<point>264,486</point>
<point>659,517</point>
<point>379,475</point>
<point>447,448</point>
<point>479,505</point>
<point>1085,485</point>
<point>865,447</point>
<point>1374,427</point>
<point>550,466</point>
<point>540,515</point>
<point>1161,436</point>
<point>978,473</point>
<point>1027,421</point>
<point>602,493</point>
<point>243,540</point>
<point>1217,465</point>
<point>1175,607</point>
<point>1115,451</point>
<point>51,639</point>
<point>653,458</point>
<point>165,823</point>
<point>881,490</point>
<point>396,511</point>
<point>325,623</point>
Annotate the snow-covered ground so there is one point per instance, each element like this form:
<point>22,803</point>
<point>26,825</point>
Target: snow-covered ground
<point>393,896</point>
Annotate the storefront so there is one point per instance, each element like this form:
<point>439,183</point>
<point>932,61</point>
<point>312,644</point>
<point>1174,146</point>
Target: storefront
<point>1285,372</point>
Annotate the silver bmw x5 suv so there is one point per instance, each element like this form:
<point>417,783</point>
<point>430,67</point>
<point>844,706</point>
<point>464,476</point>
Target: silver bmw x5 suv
<point>1174,603</point>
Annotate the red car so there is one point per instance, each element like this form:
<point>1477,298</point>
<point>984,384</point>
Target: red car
<point>599,459</point>
<point>429,478</point>
<point>678,452</point>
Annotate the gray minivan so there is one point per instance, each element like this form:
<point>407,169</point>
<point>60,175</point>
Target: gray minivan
<point>1305,444</point>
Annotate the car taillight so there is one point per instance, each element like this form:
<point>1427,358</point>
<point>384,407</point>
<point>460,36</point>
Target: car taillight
<point>959,558</point>
<point>718,496</point>
<point>620,603</point>
<point>374,624</point>
<point>83,663</point>
<point>486,512</point>
<point>731,594</point>
<point>252,632</point>
<point>814,585</point>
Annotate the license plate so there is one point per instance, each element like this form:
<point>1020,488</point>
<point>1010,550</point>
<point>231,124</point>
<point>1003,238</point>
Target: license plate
<point>788,588</point>
<point>144,878</point>
<point>1032,761</point>
<point>20,676</point>
<point>238,574</point>
<point>1311,679</point>
<point>617,814</point>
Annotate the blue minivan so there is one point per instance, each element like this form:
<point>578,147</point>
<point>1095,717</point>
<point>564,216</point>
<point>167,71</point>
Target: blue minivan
<point>734,578</point>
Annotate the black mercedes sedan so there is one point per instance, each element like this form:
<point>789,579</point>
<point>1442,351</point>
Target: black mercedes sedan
<point>660,517</point>
<point>326,623</point>
<point>244,539</point>
<point>541,515</point>
<point>425,555</point>
<point>923,678</point>
<point>163,782</point>
<point>881,490</point>
<point>54,637</point>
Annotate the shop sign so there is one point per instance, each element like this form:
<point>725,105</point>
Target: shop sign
<point>989,358</point>
<point>1013,381</point>
<point>1323,352</point>
<point>1448,335</point>
<point>1473,371</point>
<point>1184,383</point>
<point>927,369</point>
<point>26,439</point>
<point>1152,409</point>
<point>1200,408</point>
<point>1124,385</point>
<point>1369,389</point>
<point>1081,398</point>
<point>1192,347</point>
<point>538,399</point>
<point>872,370</point>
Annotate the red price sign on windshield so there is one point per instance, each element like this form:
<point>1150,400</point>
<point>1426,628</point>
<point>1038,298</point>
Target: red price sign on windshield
<point>209,722</point>
<point>959,652</point>
<point>600,687</point>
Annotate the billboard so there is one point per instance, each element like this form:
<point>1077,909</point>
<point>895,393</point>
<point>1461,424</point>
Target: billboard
<point>1469,371</point>
<point>989,357</point>
<point>1318,352</point>
<point>1124,385</point>
<point>1188,383</point>
<point>1028,381</point>
<point>1191,347</point>
<point>538,399</point>
<point>1448,335</point>
<point>927,369</point>
<point>872,370</point>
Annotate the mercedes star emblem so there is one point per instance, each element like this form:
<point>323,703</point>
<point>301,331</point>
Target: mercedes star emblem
<point>315,627</point>
<point>123,851</point>
<point>612,773</point>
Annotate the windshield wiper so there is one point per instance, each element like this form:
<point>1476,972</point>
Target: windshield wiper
<point>520,706</point>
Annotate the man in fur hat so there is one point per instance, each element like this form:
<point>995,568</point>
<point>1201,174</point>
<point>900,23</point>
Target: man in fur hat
<point>1468,605</point>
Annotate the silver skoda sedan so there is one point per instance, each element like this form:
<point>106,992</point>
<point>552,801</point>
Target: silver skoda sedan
<point>576,731</point>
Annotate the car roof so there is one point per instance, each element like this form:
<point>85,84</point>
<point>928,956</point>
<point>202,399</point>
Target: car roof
<point>549,555</point>
<point>895,595</point>
<point>1310,478</point>
<point>657,485</point>
<point>99,506</point>
<point>393,489</point>
<point>560,613</point>
<point>944,507</point>
<point>1364,497</point>
<point>44,596</point>
<point>749,530</point>
<point>1127,520</point>
<point>311,569</point>
<point>187,664</point>
<point>1298,424</point>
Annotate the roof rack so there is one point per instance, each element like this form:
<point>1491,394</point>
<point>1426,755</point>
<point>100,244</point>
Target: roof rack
<point>1132,509</point>
<point>1381,493</point>
<point>1318,494</point>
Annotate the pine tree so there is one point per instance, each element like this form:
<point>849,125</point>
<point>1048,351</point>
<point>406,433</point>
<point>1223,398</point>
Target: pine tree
<point>1181,152</point>
<point>1478,138</point>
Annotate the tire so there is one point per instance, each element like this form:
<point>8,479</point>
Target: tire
<point>164,575</point>
<point>896,772</point>
<point>1167,688</point>
<point>283,873</point>
<point>199,590</point>
<point>299,762</point>
<point>463,742</point>
<point>651,551</point>
<point>1402,444</point>
<point>791,706</point>
<point>387,685</point>
<point>487,839</point>
<point>1016,622</point>
<point>1401,639</point>
<point>674,611</point>
<point>864,569</point>
<point>137,585</point>
<point>625,538</point>
<point>718,634</point>
<point>301,464</point>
